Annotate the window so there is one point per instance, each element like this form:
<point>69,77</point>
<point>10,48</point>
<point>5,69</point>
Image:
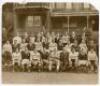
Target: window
<point>33,21</point>
<point>30,21</point>
<point>86,6</point>
<point>77,6</point>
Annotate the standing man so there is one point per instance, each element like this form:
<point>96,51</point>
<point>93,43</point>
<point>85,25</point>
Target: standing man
<point>7,52</point>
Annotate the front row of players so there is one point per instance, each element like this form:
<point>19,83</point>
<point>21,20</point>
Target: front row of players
<point>48,59</point>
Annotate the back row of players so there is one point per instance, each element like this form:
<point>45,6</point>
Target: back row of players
<point>47,49</point>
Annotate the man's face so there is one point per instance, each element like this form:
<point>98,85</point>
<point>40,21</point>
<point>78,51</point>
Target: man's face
<point>15,42</point>
<point>73,50</point>
<point>16,50</point>
<point>8,42</point>
<point>23,41</point>
<point>73,34</point>
<point>83,41</point>
<point>92,50</point>
<point>75,42</point>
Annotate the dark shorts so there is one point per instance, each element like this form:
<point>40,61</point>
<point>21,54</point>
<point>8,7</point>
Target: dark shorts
<point>7,56</point>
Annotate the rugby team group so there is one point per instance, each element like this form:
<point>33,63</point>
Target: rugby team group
<point>50,51</point>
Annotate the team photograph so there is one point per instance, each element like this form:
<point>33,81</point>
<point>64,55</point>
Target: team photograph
<point>57,40</point>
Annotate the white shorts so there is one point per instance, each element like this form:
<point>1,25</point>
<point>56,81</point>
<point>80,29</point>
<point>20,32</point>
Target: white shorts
<point>16,61</point>
<point>35,61</point>
<point>26,61</point>
<point>82,62</point>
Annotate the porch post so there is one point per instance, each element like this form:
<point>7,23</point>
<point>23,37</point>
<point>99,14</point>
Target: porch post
<point>68,23</point>
<point>87,21</point>
<point>48,22</point>
<point>15,20</point>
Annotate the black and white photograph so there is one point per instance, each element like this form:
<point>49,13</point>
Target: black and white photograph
<point>50,43</point>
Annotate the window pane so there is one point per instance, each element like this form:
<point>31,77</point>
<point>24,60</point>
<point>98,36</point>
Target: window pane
<point>30,21</point>
<point>77,6</point>
<point>86,6</point>
<point>36,21</point>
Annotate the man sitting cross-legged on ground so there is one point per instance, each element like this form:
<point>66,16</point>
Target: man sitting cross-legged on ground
<point>73,58</point>
<point>93,60</point>
<point>45,57</point>
<point>35,58</point>
<point>16,60</point>
<point>54,58</point>
<point>64,58</point>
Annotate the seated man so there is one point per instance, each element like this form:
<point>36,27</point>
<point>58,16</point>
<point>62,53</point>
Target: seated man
<point>45,57</point>
<point>83,46</point>
<point>54,58</point>
<point>93,60</point>
<point>64,58</point>
<point>83,53</point>
<point>35,59</point>
<point>16,59</point>
<point>25,60</point>
<point>82,58</point>
<point>73,58</point>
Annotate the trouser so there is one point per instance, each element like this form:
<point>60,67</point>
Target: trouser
<point>16,61</point>
<point>45,62</point>
<point>25,64</point>
<point>73,62</point>
<point>54,61</point>
<point>82,62</point>
<point>64,64</point>
<point>93,65</point>
<point>6,57</point>
<point>36,62</point>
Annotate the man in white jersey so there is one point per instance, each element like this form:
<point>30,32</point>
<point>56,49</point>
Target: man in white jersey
<point>35,59</point>
<point>39,46</point>
<point>54,58</point>
<point>93,60</point>
<point>23,45</point>
<point>73,58</point>
<point>83,47</point>
<point>16,58</point>
<point>67,47</point>
<point>17,38</point>
<point>52,45</point>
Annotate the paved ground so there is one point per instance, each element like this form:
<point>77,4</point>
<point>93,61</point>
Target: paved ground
<point>48,78</point>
